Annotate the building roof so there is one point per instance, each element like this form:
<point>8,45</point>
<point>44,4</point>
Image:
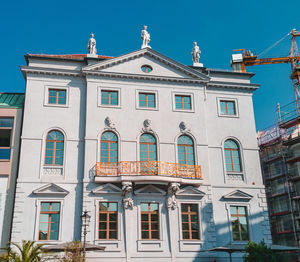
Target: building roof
<point>80,57</point>
<point>11,100</point>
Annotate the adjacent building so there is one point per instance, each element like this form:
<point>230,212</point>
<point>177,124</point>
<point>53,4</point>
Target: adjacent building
<point>279,151</point>
<point>11,113</point>
<point>163,156</point>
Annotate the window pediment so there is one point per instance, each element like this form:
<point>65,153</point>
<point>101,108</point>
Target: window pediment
<point>107,189</point>
<point>51,189</point>
<point>237,195</point>
<point>190,191</point>
<point>150,190</point>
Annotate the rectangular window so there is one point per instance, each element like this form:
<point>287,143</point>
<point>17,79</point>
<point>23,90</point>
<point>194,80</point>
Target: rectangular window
<point>190,221</point>
<point>149,221</point>
<point>109,97</point>
<point>49,221</point>
<point>239,223</point>
<point>147,100</point>
<point>183,102</point>
<point>108,220</point>
<point>57,97</point>
<point>227,108</point>
<point>6,127</point>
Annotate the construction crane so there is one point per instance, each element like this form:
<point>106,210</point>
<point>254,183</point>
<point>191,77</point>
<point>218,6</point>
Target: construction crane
<point>240,61</point>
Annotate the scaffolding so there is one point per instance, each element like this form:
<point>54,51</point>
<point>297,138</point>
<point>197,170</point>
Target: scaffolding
<point>280,160</point>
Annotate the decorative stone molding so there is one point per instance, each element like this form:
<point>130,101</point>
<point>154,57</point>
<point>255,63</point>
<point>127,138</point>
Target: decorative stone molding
<point>235,177</point>
<point>127,195</point>
<point>109,123</point>
<point>147,126</point>
<point>52,171</point>
<point>51,189</point>
<point>173,188</point>
<point>184,127</point>
<point>238,195</point>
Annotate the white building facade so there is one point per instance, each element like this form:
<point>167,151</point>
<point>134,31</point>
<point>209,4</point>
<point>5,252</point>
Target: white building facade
<point>163,156</point>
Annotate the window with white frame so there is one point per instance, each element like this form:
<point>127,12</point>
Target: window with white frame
<point>147,100</point>
<point>56,96</point>
<point>54,151</point>
<point>108,221</point>
<point>183,102</point>
<point>49,221</point>
<point>232,156</point>
<point>239,223</point>
<point>190,221</point>
<point>227,107</point>
<point>150,221</point>
<point>109,97</point>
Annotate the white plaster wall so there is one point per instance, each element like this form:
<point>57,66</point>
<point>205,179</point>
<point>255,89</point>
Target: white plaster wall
<point>38,120</point>
<point>83,122</point>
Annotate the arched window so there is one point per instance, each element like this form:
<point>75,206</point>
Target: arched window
<point>54,153</point>
<point>232,156</point>
<point>185,150</point>
<point>148,150</point>
<point>109,147</point>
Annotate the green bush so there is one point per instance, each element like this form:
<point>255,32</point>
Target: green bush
<point>260,253</point>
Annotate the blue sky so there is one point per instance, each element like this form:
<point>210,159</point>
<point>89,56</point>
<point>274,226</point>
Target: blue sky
<point>63,27</point>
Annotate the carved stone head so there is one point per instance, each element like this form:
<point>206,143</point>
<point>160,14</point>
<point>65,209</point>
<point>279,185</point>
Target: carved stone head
<point>109,123</point>
<point>147,123</point>
<point>183,126</point>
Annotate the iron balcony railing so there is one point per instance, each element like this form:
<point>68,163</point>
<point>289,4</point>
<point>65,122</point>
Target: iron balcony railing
<point>148,168</point>
<point>287,113</point>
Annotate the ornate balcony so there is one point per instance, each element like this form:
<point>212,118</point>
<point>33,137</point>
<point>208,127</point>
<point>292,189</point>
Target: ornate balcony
<point>149,171</point>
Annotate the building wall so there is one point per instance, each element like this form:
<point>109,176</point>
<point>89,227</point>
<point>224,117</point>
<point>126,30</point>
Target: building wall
<point>82,122</point>
<point>8,174</point>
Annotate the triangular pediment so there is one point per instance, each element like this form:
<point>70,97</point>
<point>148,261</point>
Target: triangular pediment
<point>150,190</point>
<point>50,189</point>
<point>131,63</point>
<point>190,191</point>
<point>107,189</point>
<point>238,195</point>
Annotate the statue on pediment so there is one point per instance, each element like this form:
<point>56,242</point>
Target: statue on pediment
<point>92,45</point>
<point>196,53</point>
<point>145,37</point>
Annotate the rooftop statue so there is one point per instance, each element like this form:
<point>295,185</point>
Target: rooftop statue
<point>92,45</point>
<point>196,53</point>
<point>146,38</point>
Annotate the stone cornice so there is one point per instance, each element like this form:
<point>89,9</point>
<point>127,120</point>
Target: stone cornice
<point>233,85</point>
<point>81,73</point>
<point>49,71</point>
<point>144,77</point>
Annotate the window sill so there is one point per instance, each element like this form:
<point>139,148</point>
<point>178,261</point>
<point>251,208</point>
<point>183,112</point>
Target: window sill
<point>111,245</point>
<point>150,245</point>
<point>229,116</point>
<point>184,110</point>
<point>147,108</point>
<point>56,105</point>
<point>50,242</point>
<point>190,245</point>
<point>110,106</point>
